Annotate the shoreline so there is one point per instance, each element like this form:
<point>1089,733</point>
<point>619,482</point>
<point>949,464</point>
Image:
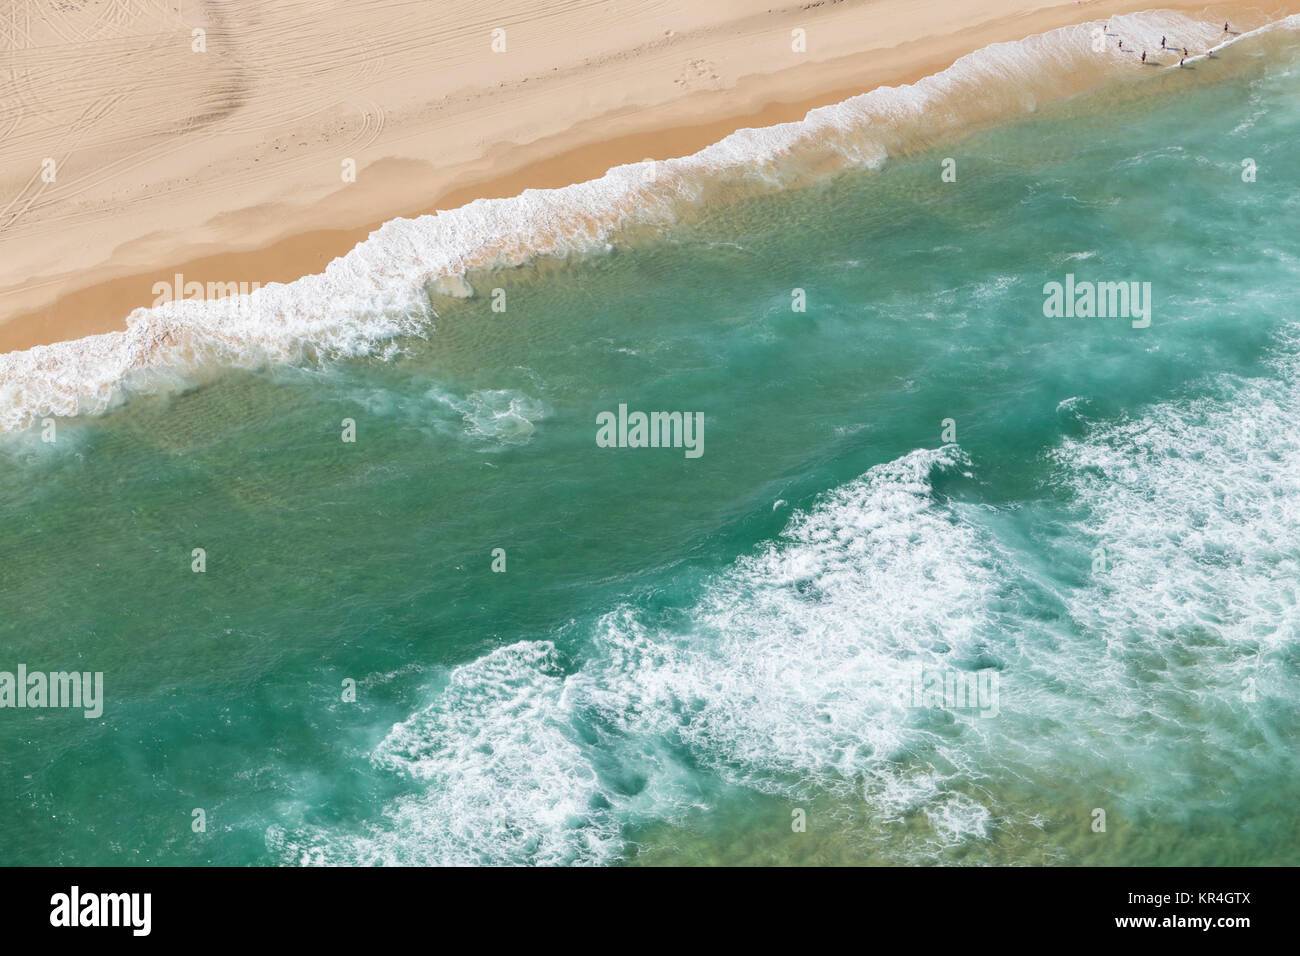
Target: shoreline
<point>102,298</point>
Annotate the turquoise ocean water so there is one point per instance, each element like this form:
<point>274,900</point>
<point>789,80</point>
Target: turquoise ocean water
<point>708,660</point>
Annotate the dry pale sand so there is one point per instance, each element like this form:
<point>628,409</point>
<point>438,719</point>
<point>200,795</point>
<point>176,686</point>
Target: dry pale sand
<point>228,165</point>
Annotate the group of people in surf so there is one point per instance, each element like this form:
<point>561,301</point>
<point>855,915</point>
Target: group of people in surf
<point>1164,45</point>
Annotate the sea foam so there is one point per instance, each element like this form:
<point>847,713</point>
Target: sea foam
<point>790,678</point>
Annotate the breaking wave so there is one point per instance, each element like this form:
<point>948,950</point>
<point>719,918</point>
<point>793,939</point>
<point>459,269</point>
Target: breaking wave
<point>789,676</point>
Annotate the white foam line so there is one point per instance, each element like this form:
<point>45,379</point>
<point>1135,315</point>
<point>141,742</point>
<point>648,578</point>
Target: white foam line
<point>377,291</point>
<point>1290,23</point>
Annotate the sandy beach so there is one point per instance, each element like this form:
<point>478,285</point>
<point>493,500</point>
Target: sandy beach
<point>254,142</point>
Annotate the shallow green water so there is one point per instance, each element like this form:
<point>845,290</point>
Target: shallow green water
<point>681,652</point>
